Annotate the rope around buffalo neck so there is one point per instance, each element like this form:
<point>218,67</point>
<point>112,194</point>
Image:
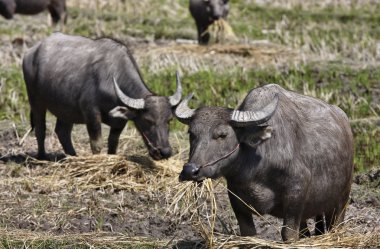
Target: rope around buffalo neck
<point>148,141</point>
<point>221,158</point>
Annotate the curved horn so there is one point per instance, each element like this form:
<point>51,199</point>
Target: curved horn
<point>183,112</point>
<point>137,104</point>
<point>176,97</point>
<point>245,118</point>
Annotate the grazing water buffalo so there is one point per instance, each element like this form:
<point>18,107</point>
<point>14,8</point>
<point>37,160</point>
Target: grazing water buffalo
<point>282,153</point>
<point>75,79</point>
<point>205,12</point>
<point>57,8</point>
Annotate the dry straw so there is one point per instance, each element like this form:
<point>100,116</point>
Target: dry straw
<point>220,31</point>
<point>198,201</point>
<point>201,197</point>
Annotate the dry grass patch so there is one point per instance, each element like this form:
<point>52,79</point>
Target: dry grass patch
<point>221,31</point>
<point>92,188</point>
<point>219,57</point>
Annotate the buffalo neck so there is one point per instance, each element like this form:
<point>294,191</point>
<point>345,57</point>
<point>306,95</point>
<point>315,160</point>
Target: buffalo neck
<point>134,86</point>
<point>245,165</point>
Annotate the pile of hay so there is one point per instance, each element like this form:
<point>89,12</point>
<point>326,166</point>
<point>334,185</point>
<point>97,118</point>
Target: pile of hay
<point>339,239</point>
<point>203,198</point>
<point>220,32</point>
<point>109,171</point>
<point>26,239</point>
<point>193,58</point>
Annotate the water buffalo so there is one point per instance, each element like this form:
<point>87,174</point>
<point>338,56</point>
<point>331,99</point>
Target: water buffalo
<point>205,12</point>
<point>57,8</point>
<point>282,153</point>
<point>75,79</point>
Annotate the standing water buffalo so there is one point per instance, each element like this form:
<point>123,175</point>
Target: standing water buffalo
<point>75,79</point>
<point>282,153</point>
<point>57,8</point>
<point>205,12</point>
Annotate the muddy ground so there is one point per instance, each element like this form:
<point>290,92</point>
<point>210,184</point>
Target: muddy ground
<point>129,193</point>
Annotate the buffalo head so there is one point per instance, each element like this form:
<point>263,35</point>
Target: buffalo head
<point>151,115</point>
<point>216,8</point>
<point>218,134</point>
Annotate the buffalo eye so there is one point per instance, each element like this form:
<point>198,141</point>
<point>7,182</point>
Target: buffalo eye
<point>220,134</point>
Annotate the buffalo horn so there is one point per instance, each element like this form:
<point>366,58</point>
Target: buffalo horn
<point>183,112</point>
<point>176,97</point>
<point>245,118</point>
<point>137,104</point>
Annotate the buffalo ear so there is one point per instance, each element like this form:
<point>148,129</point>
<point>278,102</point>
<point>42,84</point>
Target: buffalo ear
<point>254,139</point>
<point>122,112</point>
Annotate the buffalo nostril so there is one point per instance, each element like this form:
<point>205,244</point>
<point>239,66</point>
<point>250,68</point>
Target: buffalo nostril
<point>166,152</point>
<point>216,17</point>
<point>188,172</point>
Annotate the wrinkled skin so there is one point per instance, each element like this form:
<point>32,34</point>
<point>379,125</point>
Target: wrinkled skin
<point>57,8</point>
<point>72,77</point>
<point>296,165</point>
<point>205,12</point>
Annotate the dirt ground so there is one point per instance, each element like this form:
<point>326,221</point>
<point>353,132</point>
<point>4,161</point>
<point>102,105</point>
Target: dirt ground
<point>130,193</point>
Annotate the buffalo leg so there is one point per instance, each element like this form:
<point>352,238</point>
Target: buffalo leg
<point>319,225</point>
<point>243,215</point>
<point>38,118</point>
<point>94,129</point>
<point>335,218</point>
<point>57,11</point>
<point>63,131</point>
<point>203,38</point>
<point>113,138</point>
<point>290,228</point>
<point>293,215</point>
<point>331,218</point>
<point>304,230</point>
<point>294,203</point>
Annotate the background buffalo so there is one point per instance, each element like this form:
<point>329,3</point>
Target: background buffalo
<point>205,12</point>
<point>75,78</point>
<point>57,8</point>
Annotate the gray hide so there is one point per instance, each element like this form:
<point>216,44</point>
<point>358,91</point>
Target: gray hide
<point>77,79</point>
<point>205,12</point>
<point>283,153</point>
<point>57,8</point>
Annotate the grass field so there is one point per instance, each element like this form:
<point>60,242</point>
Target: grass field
<point>337,47</point>
<point>326,49</point>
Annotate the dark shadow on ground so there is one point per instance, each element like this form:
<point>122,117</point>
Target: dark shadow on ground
<point>144,161</point>
<point>23,158</point>
<point>188,244</point>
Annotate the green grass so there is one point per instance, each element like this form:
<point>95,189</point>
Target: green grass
<point>351,89</point>
<point>349,35</point>
<point>341,85</point>
<point>13,97</point>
